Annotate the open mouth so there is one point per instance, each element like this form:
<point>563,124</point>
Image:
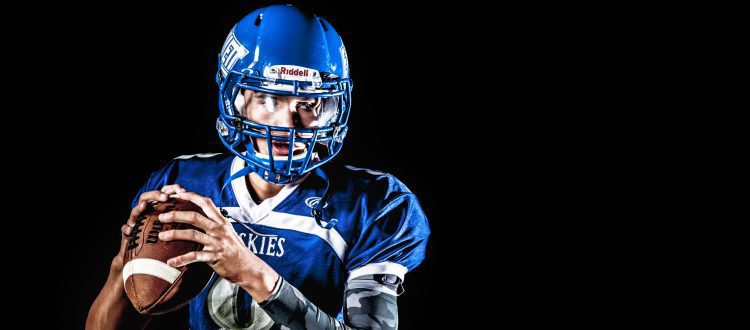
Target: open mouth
<point>282,149</point>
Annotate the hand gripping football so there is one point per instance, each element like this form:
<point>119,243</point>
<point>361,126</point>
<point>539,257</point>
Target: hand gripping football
<point>153,286</point>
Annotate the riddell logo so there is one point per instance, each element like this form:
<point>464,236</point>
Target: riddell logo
<point>293,72</point>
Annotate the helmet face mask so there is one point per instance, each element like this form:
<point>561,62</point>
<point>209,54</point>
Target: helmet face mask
<point>284,93</point>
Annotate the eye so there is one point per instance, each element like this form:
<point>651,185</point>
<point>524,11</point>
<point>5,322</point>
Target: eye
<point>267,103</point>
<point>305,106</point>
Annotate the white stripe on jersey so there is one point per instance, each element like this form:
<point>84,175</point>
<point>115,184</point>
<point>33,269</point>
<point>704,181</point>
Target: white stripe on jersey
<point>197,155</point>
<point>385,267</point>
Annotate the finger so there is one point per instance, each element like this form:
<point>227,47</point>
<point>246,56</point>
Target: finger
<point>136,212</point>
<point>188,235</point>
<point>190,217</point>
<point>172,189</point>
<point>154,195</point>
<point>191,257</point>
<point>204,203</point>
<point>138,209</point>
<point>126,230</point>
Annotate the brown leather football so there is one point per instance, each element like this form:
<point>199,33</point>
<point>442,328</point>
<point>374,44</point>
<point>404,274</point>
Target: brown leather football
<point>153,286</point>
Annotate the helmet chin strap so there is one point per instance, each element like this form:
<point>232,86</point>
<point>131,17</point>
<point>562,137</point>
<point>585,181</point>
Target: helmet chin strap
<point>316,212</point>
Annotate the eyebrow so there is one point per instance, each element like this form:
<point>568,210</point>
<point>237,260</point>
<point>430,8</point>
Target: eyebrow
<point>261,94</point>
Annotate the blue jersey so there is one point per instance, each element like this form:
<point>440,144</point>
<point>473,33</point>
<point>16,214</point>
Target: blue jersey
<point>381,229</point>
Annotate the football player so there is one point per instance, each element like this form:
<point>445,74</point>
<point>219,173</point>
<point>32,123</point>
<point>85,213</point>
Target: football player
<point>294,244</point>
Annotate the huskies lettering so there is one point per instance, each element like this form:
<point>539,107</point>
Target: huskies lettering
<point>293,72</point>
<point>272,246</point>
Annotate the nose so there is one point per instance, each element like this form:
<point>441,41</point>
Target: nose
<point>287,117</point>
<point>283,119</point>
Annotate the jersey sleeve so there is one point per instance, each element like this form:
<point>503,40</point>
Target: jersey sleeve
<point>393,236</point>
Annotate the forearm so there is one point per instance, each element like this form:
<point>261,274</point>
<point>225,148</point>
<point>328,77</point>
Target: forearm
<point>366,309</point>
<point>287,306</point>
<point>112,309</point>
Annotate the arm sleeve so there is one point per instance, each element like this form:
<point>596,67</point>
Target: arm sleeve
<point>365,309</point>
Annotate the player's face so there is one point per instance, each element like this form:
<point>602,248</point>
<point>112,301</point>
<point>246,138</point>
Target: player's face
<point>283,111</point>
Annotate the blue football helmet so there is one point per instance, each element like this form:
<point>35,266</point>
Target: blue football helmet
<point>274,53</point>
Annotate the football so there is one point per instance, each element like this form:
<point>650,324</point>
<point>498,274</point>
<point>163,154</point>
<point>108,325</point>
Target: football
<point>153,286</point>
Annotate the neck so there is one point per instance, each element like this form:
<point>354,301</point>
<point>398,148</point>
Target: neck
<point>263,189</point>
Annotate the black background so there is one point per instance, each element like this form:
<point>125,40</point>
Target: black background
<point>556,96</point>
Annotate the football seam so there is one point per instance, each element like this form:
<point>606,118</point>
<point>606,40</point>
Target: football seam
<point>135,293</point>
<point>172,287</point>
<point>166,292</point>
<point>142,239</point>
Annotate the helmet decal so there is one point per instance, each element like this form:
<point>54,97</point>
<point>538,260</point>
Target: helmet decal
<point>232,52</point>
